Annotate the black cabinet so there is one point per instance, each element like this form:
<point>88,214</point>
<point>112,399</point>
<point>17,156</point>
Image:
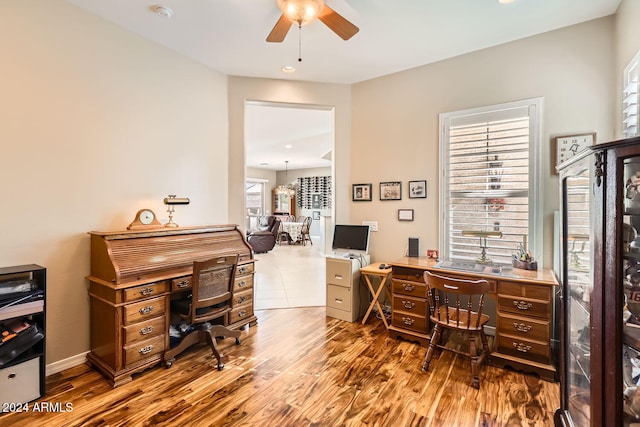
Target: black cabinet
<point>600,286</point>
<point>22,330</point>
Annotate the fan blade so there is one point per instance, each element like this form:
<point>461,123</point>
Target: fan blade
<point>337,23</point>
<point>280,30</point>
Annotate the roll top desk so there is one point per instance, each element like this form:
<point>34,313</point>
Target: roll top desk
<point>134,274</point>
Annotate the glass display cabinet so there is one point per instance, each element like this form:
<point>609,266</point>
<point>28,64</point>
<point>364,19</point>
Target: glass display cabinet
<point>600,286</point>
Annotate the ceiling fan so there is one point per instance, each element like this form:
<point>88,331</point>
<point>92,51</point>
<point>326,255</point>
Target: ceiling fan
<point>305,11</point>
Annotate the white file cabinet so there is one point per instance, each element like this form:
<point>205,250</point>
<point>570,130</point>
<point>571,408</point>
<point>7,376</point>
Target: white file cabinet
<point>343,286</point>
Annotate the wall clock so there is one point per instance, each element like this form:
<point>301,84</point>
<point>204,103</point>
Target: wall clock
<point>569,145</point>
<point>145,218</point>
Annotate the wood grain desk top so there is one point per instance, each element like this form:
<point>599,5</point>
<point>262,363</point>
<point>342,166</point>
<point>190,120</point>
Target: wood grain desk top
<point>543,276</point>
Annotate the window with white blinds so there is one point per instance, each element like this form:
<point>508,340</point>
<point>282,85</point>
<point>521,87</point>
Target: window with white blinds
<point>488,176</point>
<point>630,98</point>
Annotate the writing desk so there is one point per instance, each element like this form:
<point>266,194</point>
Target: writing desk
<point>524,307</point>
<point>370,271</point>
<point>133,276</point>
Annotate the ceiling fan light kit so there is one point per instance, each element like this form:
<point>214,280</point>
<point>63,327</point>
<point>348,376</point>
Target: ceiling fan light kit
<point>301,11</point>
<point>305,11</point>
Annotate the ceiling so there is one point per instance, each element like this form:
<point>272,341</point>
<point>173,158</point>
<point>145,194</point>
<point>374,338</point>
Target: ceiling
<point>395,35</point>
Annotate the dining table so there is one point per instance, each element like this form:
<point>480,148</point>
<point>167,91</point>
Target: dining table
<point>293,228</point>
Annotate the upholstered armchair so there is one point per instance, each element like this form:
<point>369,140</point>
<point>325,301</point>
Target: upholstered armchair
<point>264,240</point>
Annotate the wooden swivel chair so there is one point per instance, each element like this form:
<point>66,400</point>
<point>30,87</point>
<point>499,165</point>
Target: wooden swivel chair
<point>456,304</point>
<point>211,298</point>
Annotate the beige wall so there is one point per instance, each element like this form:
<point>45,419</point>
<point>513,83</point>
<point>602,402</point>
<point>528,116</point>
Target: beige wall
<point>96,124</point>
<point>395,120</point>
<point>243,89</point>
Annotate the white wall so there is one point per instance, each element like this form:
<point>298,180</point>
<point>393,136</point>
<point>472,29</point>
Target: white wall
<point>96,124</point>
<point>395,120</point>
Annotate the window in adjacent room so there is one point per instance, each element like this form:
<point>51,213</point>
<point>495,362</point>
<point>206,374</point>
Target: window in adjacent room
<point>630,98</point>
<point>489,161</point>
<point>254,201</point>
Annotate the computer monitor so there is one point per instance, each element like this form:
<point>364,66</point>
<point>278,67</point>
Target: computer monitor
<point>353,239</point>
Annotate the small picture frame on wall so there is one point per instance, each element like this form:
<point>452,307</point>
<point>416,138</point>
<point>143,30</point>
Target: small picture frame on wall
<point>405,214</point>
<point>391,190</point>
<point>316,215</point>
<point>417,189</point>
<point>361,192</point>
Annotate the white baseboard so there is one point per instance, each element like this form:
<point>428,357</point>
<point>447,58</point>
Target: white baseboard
<point>69,362</point>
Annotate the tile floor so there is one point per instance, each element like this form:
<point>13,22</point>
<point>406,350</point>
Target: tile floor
<point>290,276</point>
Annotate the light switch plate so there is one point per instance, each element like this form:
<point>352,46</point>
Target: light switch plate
<point>373,225</point>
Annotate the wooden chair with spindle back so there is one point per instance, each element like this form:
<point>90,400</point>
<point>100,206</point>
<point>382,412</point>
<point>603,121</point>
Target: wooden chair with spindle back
<point>456,304</point>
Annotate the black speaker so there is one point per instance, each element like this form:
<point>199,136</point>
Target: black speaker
<point>414,247</point>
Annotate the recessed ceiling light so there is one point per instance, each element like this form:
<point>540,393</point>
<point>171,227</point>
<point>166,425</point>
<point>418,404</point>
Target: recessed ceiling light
<point>505,1</point>
<point>288,69</point>
<point>161,10</point>
<point>288,146</point>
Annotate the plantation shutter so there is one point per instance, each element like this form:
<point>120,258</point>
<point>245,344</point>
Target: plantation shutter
<point>486,179</point>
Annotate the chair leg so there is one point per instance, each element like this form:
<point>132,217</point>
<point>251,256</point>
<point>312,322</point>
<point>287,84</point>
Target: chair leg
<point>485,345</point>
<point>475,368</point>
<point>220,331</point>
<point>433,342</point>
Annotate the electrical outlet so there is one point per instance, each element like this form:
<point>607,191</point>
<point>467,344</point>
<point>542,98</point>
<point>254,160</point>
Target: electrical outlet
<point>373,225</point>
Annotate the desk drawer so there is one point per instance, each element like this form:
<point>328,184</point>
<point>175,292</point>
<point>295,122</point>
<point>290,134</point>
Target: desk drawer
<point>143,310</point>
<point>143,330</point>
<point>141,350</point>
<point>181,283</point>
<point>145,291</point>
<point>526,291</point>
<point>243,297</point>
<point>524,306</point>
<point>535,351</point>
<point>243,283</point>
<point>407,304</point>
<point>410,274</point>
<point>405,287</point>
<point>524,328</point>
<point>409,321</point>
<point>240,312</point>
<point>244,269</point>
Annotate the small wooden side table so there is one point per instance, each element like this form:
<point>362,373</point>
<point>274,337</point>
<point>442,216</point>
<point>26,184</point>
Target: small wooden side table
<point>370,271</point>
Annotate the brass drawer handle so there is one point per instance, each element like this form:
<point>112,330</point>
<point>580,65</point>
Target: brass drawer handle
<point>408,321</point>
<point>242,313</point>
<point>242,269</point>
<point>522,305</point>
<point>146,310</point>
<point>522,347</point>
<point>146,331</point>
<point>182,284</point>
<point>242,284</point>
<point>146,350</point>
<point>522,327</point>
<point>241,300</point>
<point>146,291</point>
<point>408,304</point>
<point>408,287</point>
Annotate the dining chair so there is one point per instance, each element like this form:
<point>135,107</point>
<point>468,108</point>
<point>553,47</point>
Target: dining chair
<point>211,299</point>
<point>304,232</point>
<point>456,304</point>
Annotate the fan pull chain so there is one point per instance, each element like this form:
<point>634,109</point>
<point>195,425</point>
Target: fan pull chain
<point>299,42</point>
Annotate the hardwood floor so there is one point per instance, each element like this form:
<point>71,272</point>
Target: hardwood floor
<point>298,367</point>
